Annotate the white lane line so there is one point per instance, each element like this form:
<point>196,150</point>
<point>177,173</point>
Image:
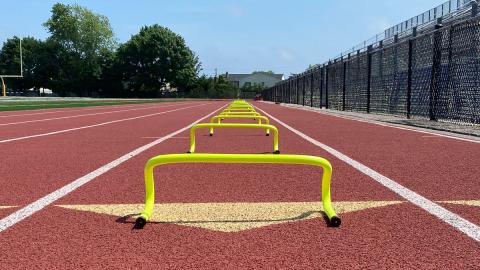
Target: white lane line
<point>41,203</point>
<point>59,110</point>
<point>58,103</point>
<point>456,221</point>
<point>381,124</point>
<point>170,138</point>
<point>63,110</point>
<point>83,115</point>
<point>96,125</point>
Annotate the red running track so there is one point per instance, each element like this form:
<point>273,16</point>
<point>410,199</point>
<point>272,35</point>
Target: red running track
<point>23,127</point>
<point>33,114</point>
<point>400,236</point>
<point>40,165</point>
<point>440,168</point>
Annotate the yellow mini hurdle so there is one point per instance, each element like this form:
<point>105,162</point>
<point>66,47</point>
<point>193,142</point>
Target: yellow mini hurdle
<point>239,102</point>
<point>240,113</point>
<point>234,125</point>
<point>219,119</point>
<point>239,107</point>
<point>154,162</point>
<point>238,110</point>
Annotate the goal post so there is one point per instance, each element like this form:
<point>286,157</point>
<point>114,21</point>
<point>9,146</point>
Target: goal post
<point>2,77</point>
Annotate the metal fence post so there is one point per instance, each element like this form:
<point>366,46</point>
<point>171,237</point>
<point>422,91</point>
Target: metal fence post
<point>288,93</point>
<point>311,87</point>
<point>474,8</point>
<point>409,74</point>
<point>296,90</point>
<point>282,93</point>
<point>326,85</point>
<point>322,69</point>
<point>369,75</point>
<point>436,69</point>
<point>344,82</point>
<point>303,89</point>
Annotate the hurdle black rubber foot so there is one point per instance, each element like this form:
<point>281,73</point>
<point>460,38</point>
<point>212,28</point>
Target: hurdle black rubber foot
<point>267,134</point>
<point>211,135</point>
<point>139,223</point>
<point>277,152</point>
<point>189,152</point>
<point>335,222</point>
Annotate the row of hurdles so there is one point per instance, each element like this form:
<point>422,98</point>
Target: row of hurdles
<point>238,109</point>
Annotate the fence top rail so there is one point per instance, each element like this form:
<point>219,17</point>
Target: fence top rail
<point>449,10</point>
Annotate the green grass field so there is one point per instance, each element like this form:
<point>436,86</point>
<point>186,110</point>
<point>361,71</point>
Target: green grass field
<point>19,104</point>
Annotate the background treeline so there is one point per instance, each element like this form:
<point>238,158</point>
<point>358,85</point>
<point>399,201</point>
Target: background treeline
<point>82,57</point>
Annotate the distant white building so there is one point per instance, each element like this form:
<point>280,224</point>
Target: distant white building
<point>264,79</point>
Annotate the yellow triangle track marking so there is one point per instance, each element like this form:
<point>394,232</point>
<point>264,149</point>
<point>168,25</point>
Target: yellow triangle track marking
<point>229,217</point>
<point>465,202</point>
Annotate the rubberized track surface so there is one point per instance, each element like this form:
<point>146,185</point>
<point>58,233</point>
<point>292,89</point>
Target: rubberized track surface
<point>229,216</point>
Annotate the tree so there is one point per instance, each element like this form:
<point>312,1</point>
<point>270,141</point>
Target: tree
<point>10,57</point>
<point>250,91</point>
<point>37,65</point>
<point>208,87</point>
<point>83,39</point>
<point>154,59</point>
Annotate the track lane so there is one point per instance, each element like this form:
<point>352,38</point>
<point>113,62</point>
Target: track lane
<point>195,186</point>
<point>386,237</point>
<point>32,130</point>
<point>440,168</point>
<point>456,221</point>
<point>36,112</point>
<point>63,239</point>
<point>38,166</point>
<point>34,116</point>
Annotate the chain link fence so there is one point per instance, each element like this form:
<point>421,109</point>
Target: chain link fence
<point>431,73</point>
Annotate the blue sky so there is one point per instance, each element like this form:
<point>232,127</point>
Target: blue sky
<point>237,36</point>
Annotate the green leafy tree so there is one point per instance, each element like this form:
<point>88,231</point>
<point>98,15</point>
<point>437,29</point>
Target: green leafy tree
<point>249,92</point>
<point>111,81</point>
<point>83,40</point>
<point>38,67</point>
<point>156,59</point>
<point>201,87</point>
<point>208,87</point>
<point>10,57</point>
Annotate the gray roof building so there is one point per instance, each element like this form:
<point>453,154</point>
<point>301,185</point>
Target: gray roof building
<point>264,79</point>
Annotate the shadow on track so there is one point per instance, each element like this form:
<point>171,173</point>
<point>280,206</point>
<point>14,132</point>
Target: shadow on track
<point>129,219</point>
